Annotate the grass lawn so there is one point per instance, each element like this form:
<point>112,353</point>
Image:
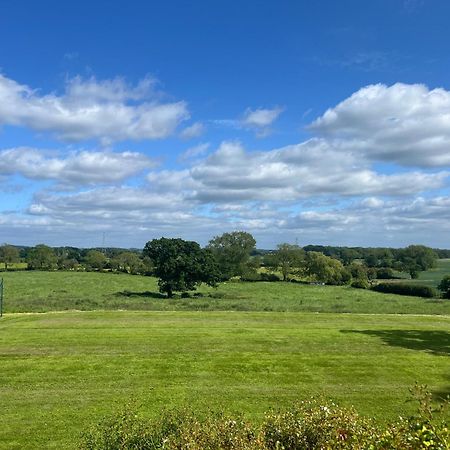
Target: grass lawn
<point>61,372</point>
<point>33,291</point>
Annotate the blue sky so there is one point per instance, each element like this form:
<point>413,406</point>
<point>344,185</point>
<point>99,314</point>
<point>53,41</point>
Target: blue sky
<point>323,122</point>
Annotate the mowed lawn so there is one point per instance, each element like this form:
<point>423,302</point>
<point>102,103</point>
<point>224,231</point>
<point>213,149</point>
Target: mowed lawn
<point>33,291</point>
<point>61,372</point>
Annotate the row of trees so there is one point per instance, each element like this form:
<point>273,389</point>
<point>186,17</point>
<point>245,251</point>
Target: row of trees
<point>43,257</point>
<point>182,265</point>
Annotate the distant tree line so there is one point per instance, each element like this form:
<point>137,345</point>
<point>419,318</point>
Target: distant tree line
<point>182,265</point>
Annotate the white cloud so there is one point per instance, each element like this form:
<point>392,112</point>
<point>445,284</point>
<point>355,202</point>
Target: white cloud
<point>328,189</point>
<point>76,168</point>
<point>261,117</point>
<point>194,152</point>
<point>109,110</point>
<point>404,124</point>
<point>260,120</point>
<point>297,172</point>
<point>193,131</point>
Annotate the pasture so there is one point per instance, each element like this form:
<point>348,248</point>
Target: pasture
<point>34,291</point>
<point>432,277</point>
<point>63,371</point>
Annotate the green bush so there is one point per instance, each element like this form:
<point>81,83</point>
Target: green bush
<point>309,425</point>
<point>269,277</point>
<point>385,273</point>
<point>251,275</point>
<point>415,290</point>
<point>360,283</point>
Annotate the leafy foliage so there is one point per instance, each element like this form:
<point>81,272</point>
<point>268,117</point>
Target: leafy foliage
<point>181,265</point>
<point>9,255</point>
<point>95,259</point>
<point>416,258</point>
<point>325,269</point>
<point>309,425</point>
<point>288,259</point>
<point>41,257</point>
<point>232,252</point>
<point>415,290</point>
<point>444,286</point>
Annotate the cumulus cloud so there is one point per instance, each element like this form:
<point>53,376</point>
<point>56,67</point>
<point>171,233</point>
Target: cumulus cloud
<point>327,189</point>
<point>109,110</point>
<point>297,172</point>
<point>76,168</point>
<point>403,124</point>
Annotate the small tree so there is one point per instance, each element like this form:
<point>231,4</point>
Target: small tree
<point>325,269</point>
<point>444,286</point>
<point>288,259</point>
<point>181,265</point>
<point>9,255</point>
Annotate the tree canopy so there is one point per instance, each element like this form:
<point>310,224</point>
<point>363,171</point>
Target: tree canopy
<point>41,257</point>
<point>9,255</point>
<point>288,259</point>
<point>181,265</point>
<point>232,252</point>
<point>416,258</point>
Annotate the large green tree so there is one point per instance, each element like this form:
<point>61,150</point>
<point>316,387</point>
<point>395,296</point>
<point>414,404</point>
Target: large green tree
<point>416,258</point>
<point>41,257</point>
<point>325,269</point>
<point>288,259</point>
<point>95,259</point>
<point>9,255</point>
<point>181,265</point>
<point>232,252</point>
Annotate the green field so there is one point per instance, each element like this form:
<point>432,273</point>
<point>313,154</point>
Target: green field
<point>243,347</point>
<point>434,276</point>
<point>64,371</point>
<point>33,291</point>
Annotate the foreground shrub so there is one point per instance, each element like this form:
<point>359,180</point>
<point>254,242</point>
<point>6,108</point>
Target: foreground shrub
<point>415,290</point>
<point>307,425</point>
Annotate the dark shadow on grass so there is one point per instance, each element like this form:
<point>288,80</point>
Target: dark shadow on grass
<point>145,294</point>
<point>430,341</point>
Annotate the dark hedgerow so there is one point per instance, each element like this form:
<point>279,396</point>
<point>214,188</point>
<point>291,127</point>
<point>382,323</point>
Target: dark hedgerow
<point>415,290</point>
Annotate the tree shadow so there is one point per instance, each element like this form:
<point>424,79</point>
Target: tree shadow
<point>145,294</point>
<point>430,341</point>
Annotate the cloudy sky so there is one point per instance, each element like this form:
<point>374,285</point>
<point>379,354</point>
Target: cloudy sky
<point>313,122</point>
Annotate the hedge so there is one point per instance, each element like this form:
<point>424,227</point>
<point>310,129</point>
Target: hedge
<point>415,290</point>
